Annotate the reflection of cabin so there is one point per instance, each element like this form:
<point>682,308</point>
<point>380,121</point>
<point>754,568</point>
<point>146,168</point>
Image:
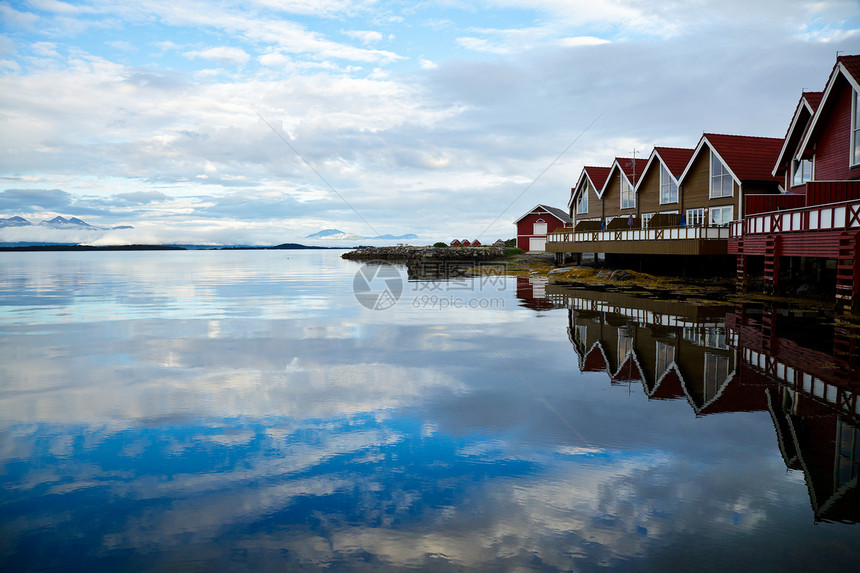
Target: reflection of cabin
<point>531,291</point>
<point>533,227</point>
<point>825,446</point>
<point>723,361</point>
<point>815,408</point>
<point>673,349</point>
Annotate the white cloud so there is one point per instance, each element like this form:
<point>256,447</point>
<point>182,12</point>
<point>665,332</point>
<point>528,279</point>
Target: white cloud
<point>365,36</point>
<point>225,55</point>
<point>576,41</point>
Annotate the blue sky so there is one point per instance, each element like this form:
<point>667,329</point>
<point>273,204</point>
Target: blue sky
<point>157,114</point>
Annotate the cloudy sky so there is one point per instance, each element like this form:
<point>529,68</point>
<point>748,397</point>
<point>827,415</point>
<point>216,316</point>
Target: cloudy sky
<point>262,121</point>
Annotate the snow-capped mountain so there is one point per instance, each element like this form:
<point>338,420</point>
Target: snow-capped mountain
<point>338,235</point>
<point>58,222</point>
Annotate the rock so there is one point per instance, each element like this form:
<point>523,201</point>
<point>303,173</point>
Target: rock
<point>620,275</point>
<point>404,253</point>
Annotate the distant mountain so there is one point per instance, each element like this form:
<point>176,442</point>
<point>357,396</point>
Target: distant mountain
<point>15,221</point>
<point>58,222</point>
<point>63,223</point>
<point>338,235</point>
<point>408,236</point>
<point>325,233</point>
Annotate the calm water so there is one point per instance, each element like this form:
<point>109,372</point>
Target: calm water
<point>243,411</point>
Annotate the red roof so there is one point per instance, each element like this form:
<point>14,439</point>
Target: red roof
<point>597,175</point>
<point>749,158</point>
<point>629,371</point>
<point>632,169</point>
<point>675,158</point>
<point>594,361</point>
<point>851,64</point>
<point>813,98</point>
<point>671,387</point>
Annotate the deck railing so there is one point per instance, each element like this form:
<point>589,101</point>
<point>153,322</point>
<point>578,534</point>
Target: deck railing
<point>831,217</point>
<point>663,234</point>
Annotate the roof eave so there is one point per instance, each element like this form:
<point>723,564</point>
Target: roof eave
<point>838,70</point>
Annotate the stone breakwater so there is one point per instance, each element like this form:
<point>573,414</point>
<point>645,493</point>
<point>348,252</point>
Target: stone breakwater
<point>407,254</point>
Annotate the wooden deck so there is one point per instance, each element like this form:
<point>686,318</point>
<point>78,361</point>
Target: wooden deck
<point>668,241</point>
<point>827,226</point>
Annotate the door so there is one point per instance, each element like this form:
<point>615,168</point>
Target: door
<point>537,243</point>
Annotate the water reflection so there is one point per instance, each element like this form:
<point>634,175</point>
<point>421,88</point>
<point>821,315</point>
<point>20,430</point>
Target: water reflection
<point>270,422</point>
<point>735,359</point>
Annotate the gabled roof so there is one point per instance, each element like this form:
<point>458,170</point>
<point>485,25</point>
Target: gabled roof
<point>670,385</point>
<point>595,359</point>
<point>748,158</point>
<point>630,370</point>
<point>804,112</point>
<point>847,68</point>
<point>630,168</point>
<point>596,175</point>
<point>559,214</point>
<point>674,158</point>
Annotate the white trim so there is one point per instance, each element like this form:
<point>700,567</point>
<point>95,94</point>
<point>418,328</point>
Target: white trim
<point>838,70</point>
<point>615,164</point>
<point>803,103</point>
<point>545,211</point>
<point>853,160</point>
<point>704,141</point>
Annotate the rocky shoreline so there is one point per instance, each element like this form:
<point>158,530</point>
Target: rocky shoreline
<point>405,253</point>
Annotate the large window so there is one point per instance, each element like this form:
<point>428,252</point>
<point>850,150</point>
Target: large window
<point>628,198</point>
<point>668,187</point>
<point>582,202</point>
<point>539,228</point>
<point>695,217</point>
<point>802,171</point>
<point>855,130</point>
<point>721,179</point>
<point>720,216</point>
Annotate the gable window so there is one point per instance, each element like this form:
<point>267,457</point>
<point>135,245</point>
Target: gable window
<point>720,216</point>
<point>695,217</point>
<point>716,372</point>
<point>665,357</point>
<point>540,227</point>
<point>855,130</point>
<point>668,187</point>
<point>721,179</point>
<point>802,171</point>
<point>582,202</point>
<point>628,199</point>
